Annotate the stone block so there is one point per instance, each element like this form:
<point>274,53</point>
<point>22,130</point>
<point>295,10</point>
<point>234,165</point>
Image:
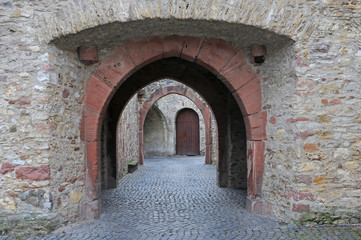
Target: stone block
<point>116,67</point>
<point>75,197</point>
<point>6,167</point>
<point>8,203</point>
<point>145,51</point>
<point>88,55</point>
<point>97,94</point>
<point>305,179</point>
<point>258,207</point>
<point>249,97</point>
<point>214,54</point>
<point>132,166</point>
<point>256,126</point>
<point>310,147</point>
<point>191,48</point>
<point>34,173</point>
<point>90,126</point>
<point>38,198</point>
<point>299,119</point>
<point>172,46</point>
<point>92,210</point>
<point>300,208</point>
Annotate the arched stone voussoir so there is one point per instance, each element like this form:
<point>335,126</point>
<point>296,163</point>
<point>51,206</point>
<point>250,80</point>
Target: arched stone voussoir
<point>191,47</point>
<point>236,73</point>
<point>145,51</point>
<point>117,67</point>
<point>214,54</point>
<point>249,97</point>
<point>98,93</point>
<point>256,126</point>
<point>173,46</point>
<point>90,126</point>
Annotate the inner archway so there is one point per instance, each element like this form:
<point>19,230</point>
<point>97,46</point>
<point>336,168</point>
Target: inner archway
<point>155,130</point>
<point>207,116</point>
<point>187,133</point>
<point>216,69</point>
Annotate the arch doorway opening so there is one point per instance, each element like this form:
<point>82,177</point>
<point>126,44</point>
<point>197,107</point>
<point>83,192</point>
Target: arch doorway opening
<point>155,134</point>
<point>212,67</point>
<point>187,133</point>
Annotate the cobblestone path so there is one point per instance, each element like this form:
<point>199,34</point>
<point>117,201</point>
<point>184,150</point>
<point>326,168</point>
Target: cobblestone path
<point>177,198</point>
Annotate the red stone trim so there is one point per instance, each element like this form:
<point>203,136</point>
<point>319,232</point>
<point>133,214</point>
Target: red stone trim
<point>219,57</point>
<point>184,91</point>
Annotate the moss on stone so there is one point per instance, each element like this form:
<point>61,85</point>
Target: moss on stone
<point>27,224</point>
<point>317,218</point>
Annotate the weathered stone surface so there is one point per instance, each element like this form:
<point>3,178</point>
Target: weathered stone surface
<point>301,208</point>
<point>8,203</point>
<point>310,147</point>
<point>35,173</point>
<point>88,55</point>
<point>6,167</point>
<point>75,197</point>
<point>37,198</point>
<point>309,83</point>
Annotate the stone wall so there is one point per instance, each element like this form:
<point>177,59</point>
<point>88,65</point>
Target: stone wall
<point>127,137</point>
<point>41,155</point>
<point>310,92</point>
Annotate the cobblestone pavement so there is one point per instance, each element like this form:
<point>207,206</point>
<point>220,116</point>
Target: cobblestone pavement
<point>177,198</point>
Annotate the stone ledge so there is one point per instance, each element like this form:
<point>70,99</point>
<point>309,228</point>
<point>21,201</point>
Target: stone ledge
<point>132,166</point>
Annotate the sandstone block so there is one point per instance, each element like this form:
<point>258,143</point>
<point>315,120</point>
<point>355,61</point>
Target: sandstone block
<point>35,173</point>
<point>6,167</point>
<point>88,55</point>
<point>310,147</point>
<point>299,119</point>
<point>301,208</point>
<point>351,165</point>
<point>75,197</point>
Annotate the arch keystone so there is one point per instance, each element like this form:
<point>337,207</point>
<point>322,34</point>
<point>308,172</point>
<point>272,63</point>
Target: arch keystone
<point>172,46</point>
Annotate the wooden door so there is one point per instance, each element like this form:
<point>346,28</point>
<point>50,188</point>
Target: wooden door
<point>187,132</point>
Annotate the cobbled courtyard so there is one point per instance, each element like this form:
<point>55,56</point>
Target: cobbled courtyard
<point>177,198</point>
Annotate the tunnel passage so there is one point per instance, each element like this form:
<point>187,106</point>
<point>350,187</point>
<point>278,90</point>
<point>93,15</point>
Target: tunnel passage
<point>228,116</point>
<point>188,93</point>
<point>214,68</point>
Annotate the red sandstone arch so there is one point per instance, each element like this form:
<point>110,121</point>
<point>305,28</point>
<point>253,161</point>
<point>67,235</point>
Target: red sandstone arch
<point>184,91</point>
<point>217,56</point>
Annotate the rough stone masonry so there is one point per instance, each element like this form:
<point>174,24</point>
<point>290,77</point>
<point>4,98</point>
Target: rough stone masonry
<point>310,88</point>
